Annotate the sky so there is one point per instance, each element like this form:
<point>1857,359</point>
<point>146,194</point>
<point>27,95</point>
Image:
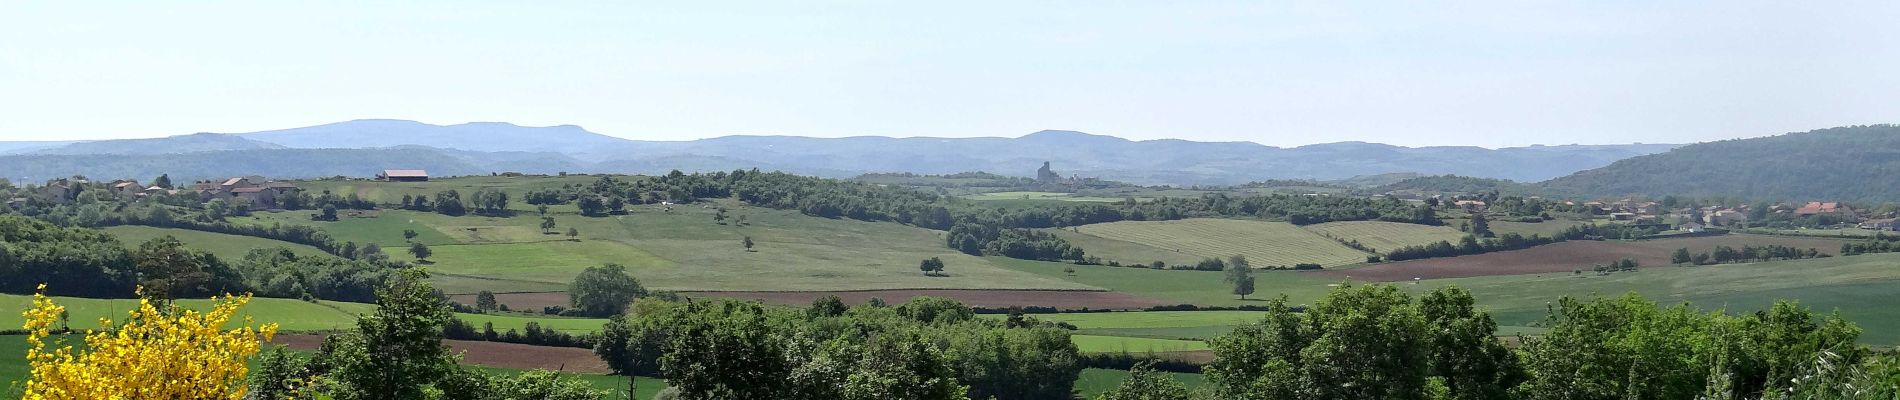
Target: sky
<point>1493,74</point>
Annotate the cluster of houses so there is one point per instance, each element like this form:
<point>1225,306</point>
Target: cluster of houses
<point>254,192</point>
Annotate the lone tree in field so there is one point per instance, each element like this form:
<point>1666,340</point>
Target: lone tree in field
<point>485,301</point>
<point>931,266</point>
<point>1240,274</point>
<point>1681,256</point>
<point>719,216</point>
<point>1069,270</point>
<point>603,291</point>
<point>409,234</point>
<point>1480,225</point>
<point>547,225</point>
<point>421,251</point>
<point>748,243</point>
<point>573,234</point>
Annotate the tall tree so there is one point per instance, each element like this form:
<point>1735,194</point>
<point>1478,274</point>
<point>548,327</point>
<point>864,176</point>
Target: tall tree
<point>547,225</point>
<point>604,290</point>
<point>421,251</point>
<point>1480,225</point>
<point>397,351</point>
<point>485,301</point>
<point>163,181</point>
<point>1465,353</point>
<point>1240,275</point>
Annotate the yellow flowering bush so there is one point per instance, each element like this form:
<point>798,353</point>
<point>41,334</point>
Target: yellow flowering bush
<point>169,353</point>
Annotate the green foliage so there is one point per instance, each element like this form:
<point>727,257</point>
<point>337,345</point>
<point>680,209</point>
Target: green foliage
<point>1144,383</point>
<point>69,261</point>
<point>1364,342</point>
<point>603,291</point>
<point>169,270</point>
<point>926,349</point>
<point>1596,350</point>
<point>396,352</point>
<point>421,251</point>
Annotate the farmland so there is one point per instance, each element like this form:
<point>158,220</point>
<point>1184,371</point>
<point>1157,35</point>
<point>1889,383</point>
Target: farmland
<point>1859,286</point>
<point>677,249</point>
<point>1568,256</point>
<point>1264,243</point>
<point>223,245</point>
<point>1383,236</point>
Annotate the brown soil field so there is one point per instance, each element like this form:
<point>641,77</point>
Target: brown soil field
<point>531,301</point>
<point>494,354</point>
<point>1568,256</point>
<point>975,298</point>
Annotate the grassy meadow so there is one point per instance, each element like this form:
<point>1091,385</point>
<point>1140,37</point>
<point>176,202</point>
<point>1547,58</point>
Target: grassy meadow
<point>1264,243</point>
<point>228,247</point>
<point>677,249</point>
<point>1386,236</point>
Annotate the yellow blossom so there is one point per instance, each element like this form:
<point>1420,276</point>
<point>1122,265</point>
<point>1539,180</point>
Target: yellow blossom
<point>174,353</point>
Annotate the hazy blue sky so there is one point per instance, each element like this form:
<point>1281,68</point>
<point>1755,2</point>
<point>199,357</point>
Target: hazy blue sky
<point>1474,73</point>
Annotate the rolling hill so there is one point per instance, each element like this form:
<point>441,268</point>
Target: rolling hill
<point>496,146</point>
<point>196,142</point>
<point>1851,163</point>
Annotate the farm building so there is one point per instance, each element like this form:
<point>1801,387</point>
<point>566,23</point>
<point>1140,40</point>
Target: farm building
<point>1878,224</point>
<point>1725,218</point>
<point>1817,208</point>
<point>404,175</point>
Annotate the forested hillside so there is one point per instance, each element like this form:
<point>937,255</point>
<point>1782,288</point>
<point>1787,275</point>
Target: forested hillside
<point>1854,163</point>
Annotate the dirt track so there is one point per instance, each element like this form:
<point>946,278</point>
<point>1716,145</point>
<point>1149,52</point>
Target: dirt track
<point>494,354</point>
<point>974,298</point>
<point>1566,257</point>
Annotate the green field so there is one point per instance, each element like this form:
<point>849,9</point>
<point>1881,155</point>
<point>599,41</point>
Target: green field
<point>1125,344</point>
<point>1094,381</point>
<point>1264,243</point>
<point>1198,325</point>
<point>288,314</point>
<point>228,247</point>
<point>1546,229</point>
<point>1184,287</point>
<point>1384,236</point>
<point>669,248</point>
<point>1860,287</point>
<point>995,196</point>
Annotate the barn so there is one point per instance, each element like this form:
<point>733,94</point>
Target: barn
<point>404,175</point>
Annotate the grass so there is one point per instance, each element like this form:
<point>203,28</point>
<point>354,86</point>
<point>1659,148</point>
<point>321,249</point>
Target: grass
<point>1196,325</point>
<point>1860,287</point>
<point>1546,229</point>
<point>1184,287</point>
<point>992,196</point>
<point>1095,381</point>
<point>288,314</point>
<point>228,247</point>
<point>1264,243</point>
<point>1118,344</point>
<point>1386,236</point>
<point>681,249</point>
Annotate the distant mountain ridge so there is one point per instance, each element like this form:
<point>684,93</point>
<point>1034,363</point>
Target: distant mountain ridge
<point>196,142</point>
<point>1852,163</point>
<point>1166,161</point>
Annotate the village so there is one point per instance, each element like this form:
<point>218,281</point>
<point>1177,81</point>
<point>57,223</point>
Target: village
<point>253,192</point>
